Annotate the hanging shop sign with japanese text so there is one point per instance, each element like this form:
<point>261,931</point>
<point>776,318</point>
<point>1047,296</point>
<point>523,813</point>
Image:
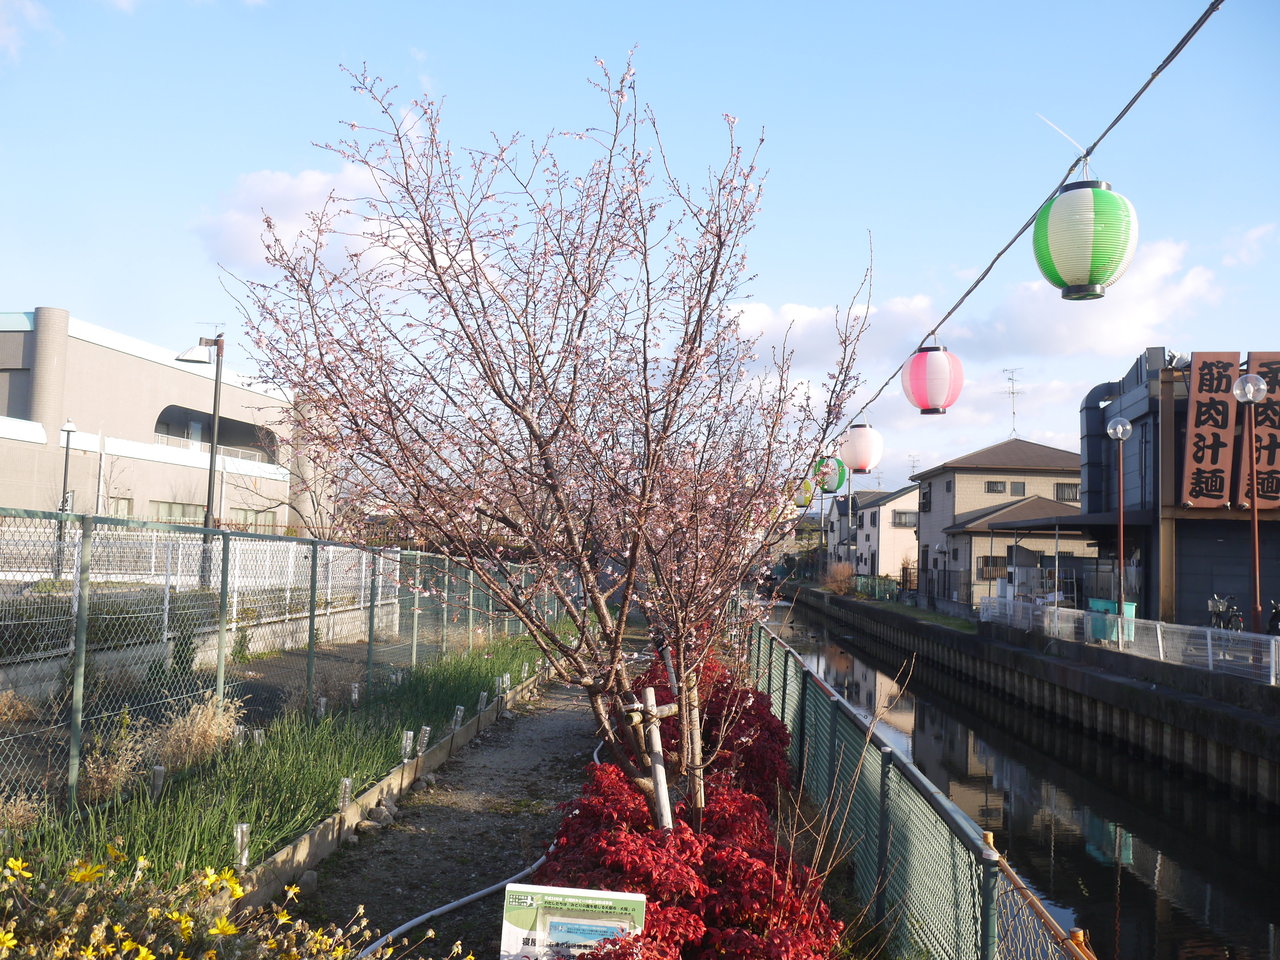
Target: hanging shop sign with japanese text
<point>1266,437</point>
<point>1211,420</point>
<point>1215,466</point>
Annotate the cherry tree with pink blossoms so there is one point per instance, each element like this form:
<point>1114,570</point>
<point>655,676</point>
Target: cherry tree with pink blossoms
<point>528,354</point>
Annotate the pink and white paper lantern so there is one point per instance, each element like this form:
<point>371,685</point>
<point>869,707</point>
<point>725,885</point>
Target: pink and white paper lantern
<point>932,379</point>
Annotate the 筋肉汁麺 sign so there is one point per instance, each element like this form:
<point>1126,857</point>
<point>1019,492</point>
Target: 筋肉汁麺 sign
<point>1211,418</point>
<point>1266,437</point>
<point>540,923</point>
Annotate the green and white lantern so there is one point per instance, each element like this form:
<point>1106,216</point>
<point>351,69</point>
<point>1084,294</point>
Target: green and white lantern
<point>1084,239</point>
<point>830,473</point>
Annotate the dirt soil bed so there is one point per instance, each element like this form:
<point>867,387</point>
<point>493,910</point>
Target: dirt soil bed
<point>491,811</point>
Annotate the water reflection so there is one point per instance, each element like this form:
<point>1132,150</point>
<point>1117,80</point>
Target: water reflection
<point>1149,864</point>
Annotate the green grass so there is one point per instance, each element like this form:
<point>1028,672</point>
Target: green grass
<point>927,616</point>
<point>282,787</point>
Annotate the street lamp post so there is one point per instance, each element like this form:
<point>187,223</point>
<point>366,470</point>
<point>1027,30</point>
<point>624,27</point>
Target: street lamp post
<point>1251,390</point>
<point>1120,430</point>
<point>67,430</point>
<point>200,354</point>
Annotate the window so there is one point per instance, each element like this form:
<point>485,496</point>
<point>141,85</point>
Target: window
<point>862,519</point>
<point>948,486</point>
<point>955,553</point>
<point>868,538</point>
<point>120,506</point>
<point>873,517</point>
<point>1018,488</point>
<point>168,511</point>
<point>1067,492</point>
<point>926,497</point>
<point>994,486</point>
<point>905,518</point>
<point>992,568</point>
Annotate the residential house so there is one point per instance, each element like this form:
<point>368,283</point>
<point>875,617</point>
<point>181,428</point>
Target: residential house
<point>129,428</point>
<point>962,554</point>
<point>885,532</point>
<point>842,542</point>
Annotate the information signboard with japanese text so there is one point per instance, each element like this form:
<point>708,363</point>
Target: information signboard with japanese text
<point>541,923</point>
<point>1211,418</point>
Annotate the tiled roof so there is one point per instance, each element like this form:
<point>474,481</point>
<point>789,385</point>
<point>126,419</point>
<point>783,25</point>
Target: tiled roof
<point>1028,508</point>
<point>1015,454</point>
<point>875,498</point>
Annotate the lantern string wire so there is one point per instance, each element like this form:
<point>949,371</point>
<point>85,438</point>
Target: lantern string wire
<point>1082,159</point>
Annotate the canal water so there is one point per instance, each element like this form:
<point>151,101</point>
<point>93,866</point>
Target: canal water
<point>1150,864</point>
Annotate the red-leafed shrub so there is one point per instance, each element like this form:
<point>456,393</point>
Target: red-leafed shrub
<point>750,743</point>
<point>726,892</point>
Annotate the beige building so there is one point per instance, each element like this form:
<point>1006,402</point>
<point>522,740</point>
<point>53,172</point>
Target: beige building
<point>142,421</point>
<point>969,511</point>
<point>885,532</point>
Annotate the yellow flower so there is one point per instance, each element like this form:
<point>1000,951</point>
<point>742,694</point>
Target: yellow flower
<point>223,927</point>
<point>19,867</point>
<point>144,953</point>
<point>7,942</point>
<point>291,891</point>
<point>87,953</point>
<point>283,916</point>
<point>85,872</point>
<point>184,922</point>
<point>115,854</point>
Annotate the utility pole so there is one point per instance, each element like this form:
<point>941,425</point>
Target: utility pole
<point>1013,392</point>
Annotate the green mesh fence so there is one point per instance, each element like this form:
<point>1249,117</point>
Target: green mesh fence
<point>106,624</point>
<point>919,866</point>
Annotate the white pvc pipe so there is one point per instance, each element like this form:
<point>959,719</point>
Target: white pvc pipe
<point>438,911</point>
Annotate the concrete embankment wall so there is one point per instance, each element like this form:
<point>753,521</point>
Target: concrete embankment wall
<point>1206,725</point>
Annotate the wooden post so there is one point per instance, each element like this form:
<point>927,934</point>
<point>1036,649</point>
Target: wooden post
<point>662,799</point>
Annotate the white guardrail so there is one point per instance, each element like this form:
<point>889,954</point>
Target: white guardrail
<point>1250,655</point>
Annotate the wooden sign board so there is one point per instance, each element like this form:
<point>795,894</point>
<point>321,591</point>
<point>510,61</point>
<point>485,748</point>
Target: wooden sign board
<point>1211,420</point>
<point>1266,437</point>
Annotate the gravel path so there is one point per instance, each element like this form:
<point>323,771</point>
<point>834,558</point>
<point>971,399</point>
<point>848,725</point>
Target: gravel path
<point>491,811</point>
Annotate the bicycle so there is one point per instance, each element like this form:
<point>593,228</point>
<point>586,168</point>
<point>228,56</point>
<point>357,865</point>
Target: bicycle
<point>1224,614</point>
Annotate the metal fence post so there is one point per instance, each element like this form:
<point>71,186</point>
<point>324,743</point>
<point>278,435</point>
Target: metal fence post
<point>471,607</point>
<point>373,616</point>
<point>989,932</point>
<point>168,588</point>
<point>802,762</point>
<point>882,843</point>
<point>311,625</point>
<point>444,604</point>
<point>220,684</point>
<point>80,598</point>
<point>414,584</point>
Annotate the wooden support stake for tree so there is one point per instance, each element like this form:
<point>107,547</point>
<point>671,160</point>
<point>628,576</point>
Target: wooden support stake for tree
<point>658,768</point>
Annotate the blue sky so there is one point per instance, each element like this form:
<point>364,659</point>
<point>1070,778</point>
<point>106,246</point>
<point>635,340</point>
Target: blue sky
<point>140,139</point>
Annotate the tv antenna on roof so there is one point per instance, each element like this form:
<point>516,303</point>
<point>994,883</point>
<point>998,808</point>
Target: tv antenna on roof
<point>1013,392</point>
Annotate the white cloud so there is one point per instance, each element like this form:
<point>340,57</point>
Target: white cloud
<point>17,18</point>
<point>1247,248</point>
<point>1148,305</point>
<point>233,237</point>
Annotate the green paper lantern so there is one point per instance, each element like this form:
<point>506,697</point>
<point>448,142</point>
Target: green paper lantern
<point>831,473</point>
<point>1084,239</point>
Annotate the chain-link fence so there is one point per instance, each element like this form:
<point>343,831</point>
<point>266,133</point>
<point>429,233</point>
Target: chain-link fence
<point>105,623</point>
<point>1250,655</point>
<point>922,868</point>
